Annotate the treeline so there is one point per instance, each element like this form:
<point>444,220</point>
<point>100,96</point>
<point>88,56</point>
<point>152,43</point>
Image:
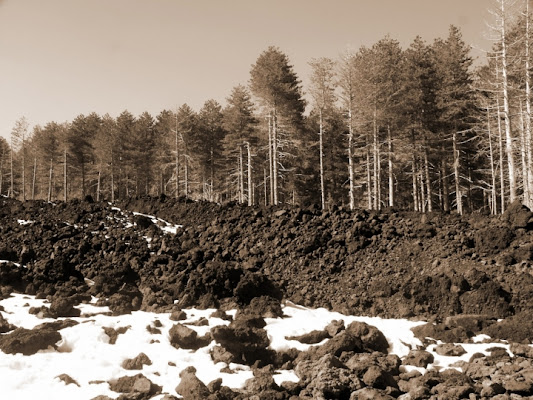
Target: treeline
<point>414,128</point>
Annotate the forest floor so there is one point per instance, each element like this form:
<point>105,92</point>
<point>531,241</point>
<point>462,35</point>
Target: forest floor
<point>470,278</point>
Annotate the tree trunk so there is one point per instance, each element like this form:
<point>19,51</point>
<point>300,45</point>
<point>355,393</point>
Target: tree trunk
<point>50,179</point>
<point>458,196</point>
<point>391,177</point>
<point>376,161</point>
<point>428,181</point>
<point>523,156</point>
<point>23,171</point>
<point>275,156</point>
<point>350,158</point>
<point>422,206</point>
<point>494,206</point>
<point>11,190</point>
<point>241,175</point>
<point>250,185</point>
<point>321,150</point>
<point>500,144</point>
<point>265,185</point>
<point>368,175</point>
<point>98,184</point>
<point>112,182</point>
<point>413,170</point>
<point>508,134</point>
<point>528,138</point>
<point>186,177</point>
<point>34,178</point>
<point>270,157</point>
<point>65,176</point>
<point>445,185</point>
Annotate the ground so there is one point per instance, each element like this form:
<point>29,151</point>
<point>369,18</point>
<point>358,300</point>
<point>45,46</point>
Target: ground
<point>470,277</point>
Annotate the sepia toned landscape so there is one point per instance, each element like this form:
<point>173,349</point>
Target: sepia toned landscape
<point>237,200</point>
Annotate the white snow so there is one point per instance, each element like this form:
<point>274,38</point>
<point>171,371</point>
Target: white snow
<point>24,222</point>
<point>84,353</point>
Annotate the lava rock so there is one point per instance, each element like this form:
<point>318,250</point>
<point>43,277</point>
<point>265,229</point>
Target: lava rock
<point>28,341</point>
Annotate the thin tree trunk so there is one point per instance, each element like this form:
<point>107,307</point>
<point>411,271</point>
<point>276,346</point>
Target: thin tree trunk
<point>391,178</point>
<point>11,190</point>
<point>265,185</point>
<point>112,182</point>
<point>270,157</point>
<point>250,185</point>
<point>458,196</point>
<point>500,144</point>
<point>350,158</point>
<point>508,134</point>
<point>321,148</point>
<point>428,181</point>
<point>413,170</point>
<point>528,138</point>
<point>422,206</point>
<point>34,178</point>
<point>523,156</point>
<point>368,175</point>
<point>241,175</point>
<point>275,155</point>
<point>98,184</point>
<point>494,206</point>
<point>65,197</point>
<point>445,184</point>
<point>186,177</point>
<point>23,170</point>
<point>50,179</point>
<point>376,160</point>
<point>177,161</point>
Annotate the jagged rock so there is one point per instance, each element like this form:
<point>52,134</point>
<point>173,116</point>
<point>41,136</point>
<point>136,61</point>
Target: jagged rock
<point>190,387</point>
<point>418,358</point>
<point>137,362</point>
<point>184,337</point>
<point>178,315</point>
<point>370,394</point>
<point>135,384</point>
<point>379,379</point>
<point>312,337</point>
<point>245,338</point>
<point>28,341</point>
<point>67,379</point>
<point>113,333</point>
<point>64,307</point>
<point>327,377</point>
<point>371,337</point>
<point>450,350</point>
<point>5,326</point>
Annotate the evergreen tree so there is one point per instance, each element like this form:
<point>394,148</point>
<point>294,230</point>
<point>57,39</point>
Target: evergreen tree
<point>276,85</point>
<point>240,125</point>
<point>209,147</point>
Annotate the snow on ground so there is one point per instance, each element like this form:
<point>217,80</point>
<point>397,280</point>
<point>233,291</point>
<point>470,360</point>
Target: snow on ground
<point>84,353</point>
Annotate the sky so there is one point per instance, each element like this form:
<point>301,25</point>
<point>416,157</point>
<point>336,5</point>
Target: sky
<point>62,58</point>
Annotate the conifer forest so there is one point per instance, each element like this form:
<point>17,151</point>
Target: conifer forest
<point>422,128</point>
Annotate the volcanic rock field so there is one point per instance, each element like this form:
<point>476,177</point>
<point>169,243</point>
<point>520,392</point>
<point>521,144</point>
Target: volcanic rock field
<point>457,281</point>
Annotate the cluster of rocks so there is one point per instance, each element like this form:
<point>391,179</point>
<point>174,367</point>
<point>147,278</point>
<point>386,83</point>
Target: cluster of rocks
<point>390,264</point>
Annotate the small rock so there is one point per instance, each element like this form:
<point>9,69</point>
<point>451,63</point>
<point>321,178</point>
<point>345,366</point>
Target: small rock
<point>137,362</point>
<point>450,350</point>
<point>190,387</point>
<point>67,379</point>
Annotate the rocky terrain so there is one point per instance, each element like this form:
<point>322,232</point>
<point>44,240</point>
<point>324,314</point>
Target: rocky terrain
<point>467,276</point>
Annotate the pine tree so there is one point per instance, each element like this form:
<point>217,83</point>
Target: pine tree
<point>323,93</point>
<point>209,147</point>
<point>240,124</point>
<point>277,86</point>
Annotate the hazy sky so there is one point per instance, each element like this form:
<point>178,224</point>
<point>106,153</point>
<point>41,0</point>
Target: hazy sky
<point>62,58</point>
